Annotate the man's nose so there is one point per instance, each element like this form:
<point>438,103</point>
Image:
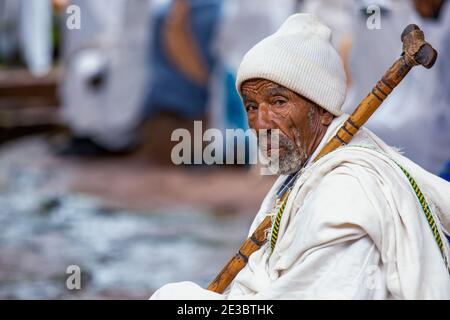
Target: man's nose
<point>264,119</point>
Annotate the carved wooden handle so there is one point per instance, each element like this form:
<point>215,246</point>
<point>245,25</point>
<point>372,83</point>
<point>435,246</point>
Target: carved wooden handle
<point>415,52</point>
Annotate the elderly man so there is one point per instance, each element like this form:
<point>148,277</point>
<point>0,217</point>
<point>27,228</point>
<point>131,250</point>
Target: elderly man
<point>363,222</point>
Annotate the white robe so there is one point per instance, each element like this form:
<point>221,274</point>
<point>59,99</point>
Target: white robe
<point>112,41</point>
<point>352,229</point>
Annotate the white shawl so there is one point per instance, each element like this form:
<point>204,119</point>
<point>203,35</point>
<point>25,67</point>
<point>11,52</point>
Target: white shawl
<point>353,228</point>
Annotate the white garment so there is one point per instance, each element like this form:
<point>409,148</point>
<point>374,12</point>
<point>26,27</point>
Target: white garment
<point>113,44</point>
<point>335,14</point>
<point>243,17</point>
<point>352,229</point>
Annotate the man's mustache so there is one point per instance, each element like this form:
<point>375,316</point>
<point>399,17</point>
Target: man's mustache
<point>265,141</point>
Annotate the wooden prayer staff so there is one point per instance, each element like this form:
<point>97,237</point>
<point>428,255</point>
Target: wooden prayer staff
<point>415,52</point>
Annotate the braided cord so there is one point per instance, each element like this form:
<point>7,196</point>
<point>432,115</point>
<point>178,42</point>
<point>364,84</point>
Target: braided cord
<point>426,210</point>
<point>424,205</point>
<point>276,224</point>
<point>420,196</point>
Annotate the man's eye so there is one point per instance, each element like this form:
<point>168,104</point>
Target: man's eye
<point>280,102</point>
<point>250,107</point>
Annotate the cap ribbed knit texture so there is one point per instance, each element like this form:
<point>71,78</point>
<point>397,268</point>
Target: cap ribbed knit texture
<point>300,57</point>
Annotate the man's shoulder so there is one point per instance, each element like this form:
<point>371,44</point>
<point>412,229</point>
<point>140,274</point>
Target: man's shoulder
<point>342,198</point>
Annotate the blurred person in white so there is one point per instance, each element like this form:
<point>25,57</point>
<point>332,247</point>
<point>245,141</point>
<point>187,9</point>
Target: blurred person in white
<point>336,13</point>
<point>417,117</point>
<point>106,75</point>
<point>362,222</point>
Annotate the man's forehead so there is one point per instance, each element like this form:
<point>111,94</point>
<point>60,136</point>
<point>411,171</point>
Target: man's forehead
<point>262,86</point>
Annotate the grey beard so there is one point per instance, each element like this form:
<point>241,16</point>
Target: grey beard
<point>291,161</point>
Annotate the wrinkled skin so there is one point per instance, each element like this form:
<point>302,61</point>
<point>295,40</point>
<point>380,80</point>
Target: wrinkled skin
<point>301,123</point>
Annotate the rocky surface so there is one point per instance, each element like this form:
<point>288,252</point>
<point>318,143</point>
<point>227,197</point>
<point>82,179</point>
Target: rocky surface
<point>130,227</point>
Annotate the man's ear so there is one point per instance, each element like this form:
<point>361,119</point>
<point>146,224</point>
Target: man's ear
<point>325,117</point>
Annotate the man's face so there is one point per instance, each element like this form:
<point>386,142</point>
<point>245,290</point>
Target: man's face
<point>301,123</point>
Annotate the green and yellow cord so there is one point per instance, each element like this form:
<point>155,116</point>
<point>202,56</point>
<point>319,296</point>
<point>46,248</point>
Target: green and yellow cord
<point>420,196</point>
<point>276,224</point>
<point>426,210</point>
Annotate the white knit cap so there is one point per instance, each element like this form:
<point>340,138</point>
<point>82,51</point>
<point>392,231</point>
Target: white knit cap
<point>300,57</point>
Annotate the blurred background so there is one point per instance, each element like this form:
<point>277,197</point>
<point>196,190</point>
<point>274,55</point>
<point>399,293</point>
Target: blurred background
<point>90,93</point>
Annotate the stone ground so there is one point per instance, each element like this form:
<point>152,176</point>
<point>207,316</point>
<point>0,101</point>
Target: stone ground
<point>130,226</point>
